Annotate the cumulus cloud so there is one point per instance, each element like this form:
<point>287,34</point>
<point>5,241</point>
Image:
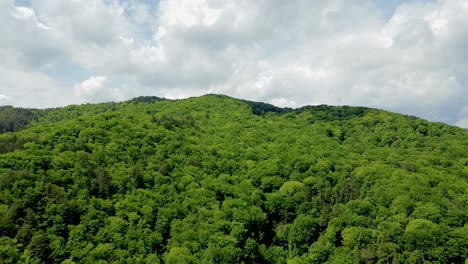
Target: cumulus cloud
<point>95,89</point>
<point>25,42</point>
<point>289,53</point>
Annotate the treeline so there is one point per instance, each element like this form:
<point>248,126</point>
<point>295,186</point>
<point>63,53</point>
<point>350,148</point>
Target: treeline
<point>15,119</point>
<point>218,180</point>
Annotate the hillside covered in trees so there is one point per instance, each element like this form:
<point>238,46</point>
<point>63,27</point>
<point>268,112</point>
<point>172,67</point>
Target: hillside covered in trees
<point>220,180</point>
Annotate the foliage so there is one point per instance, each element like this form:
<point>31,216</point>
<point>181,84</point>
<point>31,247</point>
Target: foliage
<point>261,109</point>
<point>146,99</point>
<point>219,180</point>
<point>16,119</point>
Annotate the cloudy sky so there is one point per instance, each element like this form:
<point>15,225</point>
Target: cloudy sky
<point>404,56</point>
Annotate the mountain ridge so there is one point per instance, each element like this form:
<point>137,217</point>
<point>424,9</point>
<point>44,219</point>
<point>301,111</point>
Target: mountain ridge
<point>18,118</point>
<point>215,179</point>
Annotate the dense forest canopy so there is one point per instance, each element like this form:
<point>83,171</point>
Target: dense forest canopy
<point>220,180</point>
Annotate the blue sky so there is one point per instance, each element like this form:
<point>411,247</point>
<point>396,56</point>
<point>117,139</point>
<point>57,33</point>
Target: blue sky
<point>389,6</point>
<point>403,56</point>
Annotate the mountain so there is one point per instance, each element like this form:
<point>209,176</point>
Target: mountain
<point>214,179</point>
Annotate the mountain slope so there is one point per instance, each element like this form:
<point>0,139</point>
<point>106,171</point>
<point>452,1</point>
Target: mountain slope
<point>219,180</point>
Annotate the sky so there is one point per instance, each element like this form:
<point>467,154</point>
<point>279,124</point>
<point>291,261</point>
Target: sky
<point>407,56</point>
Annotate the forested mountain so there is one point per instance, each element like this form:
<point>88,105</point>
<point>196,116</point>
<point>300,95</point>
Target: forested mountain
<point>220,180</point>
<point>15,119</point>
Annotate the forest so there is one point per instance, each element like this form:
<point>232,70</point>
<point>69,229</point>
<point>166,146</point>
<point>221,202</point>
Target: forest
<point>214,179</point>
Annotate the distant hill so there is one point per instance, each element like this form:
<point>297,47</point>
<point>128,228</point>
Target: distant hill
<point>214,179</point>
<point>146,99</point>
<point>14,119</point>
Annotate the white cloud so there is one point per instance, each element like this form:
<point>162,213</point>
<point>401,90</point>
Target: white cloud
<point>32,89</point>
<point>23,13</point>
<point>4,99</point>
<point>90,87</point>
<point>289,53</point>
<point>95,89</point>
<point>25,42</point>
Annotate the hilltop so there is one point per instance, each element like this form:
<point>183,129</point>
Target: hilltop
<point>215,179</point>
